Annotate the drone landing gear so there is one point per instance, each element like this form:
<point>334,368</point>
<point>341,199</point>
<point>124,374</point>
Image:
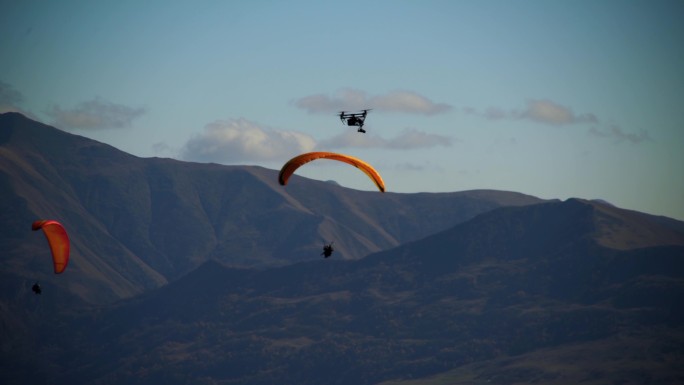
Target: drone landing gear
<point>361,130</point>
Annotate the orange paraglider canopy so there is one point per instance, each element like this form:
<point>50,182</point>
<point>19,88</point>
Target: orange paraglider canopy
<point>293,164</point>
<point>58,240</point>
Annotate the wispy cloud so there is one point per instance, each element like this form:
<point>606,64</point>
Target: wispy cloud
<point>95,114</point>
<point>352,100</point>
<point>10,98</point>
<point>548,112</point>
<point>618,135</point>
<point>163,149</point>
<point>407,101</point>
<point>407,140</point>
<point>413,167</point>
<point>542,111</point>
<point>239,140</point>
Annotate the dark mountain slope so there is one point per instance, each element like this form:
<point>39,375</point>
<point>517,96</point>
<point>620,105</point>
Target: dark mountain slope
<point>36,162</point>
<point>613,360</point>
<point>137,223</point>
<point>517,233</point>
<point>478,297</point>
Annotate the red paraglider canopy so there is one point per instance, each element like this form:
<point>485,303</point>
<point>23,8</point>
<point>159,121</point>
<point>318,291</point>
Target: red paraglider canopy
<point>293,164</point>
<point>58,240</point>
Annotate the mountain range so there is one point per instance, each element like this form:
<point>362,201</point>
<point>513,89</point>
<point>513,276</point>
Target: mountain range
<point>138,223</point>
<point>208,274</point>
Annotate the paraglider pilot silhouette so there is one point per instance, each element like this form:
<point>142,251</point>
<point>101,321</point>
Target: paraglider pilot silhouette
<point>327,250</point>
<point>293,164</point>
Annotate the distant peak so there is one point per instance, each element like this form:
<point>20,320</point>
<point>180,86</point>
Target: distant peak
<point>602,202</point>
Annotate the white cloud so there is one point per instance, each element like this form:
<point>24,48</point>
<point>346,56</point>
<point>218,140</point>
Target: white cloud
<point>407,140</point>
<point>354,100</point>
<point>95,114</point>
<point>239,140</point>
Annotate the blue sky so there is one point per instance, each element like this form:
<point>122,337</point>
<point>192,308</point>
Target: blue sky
<point>555,99</point>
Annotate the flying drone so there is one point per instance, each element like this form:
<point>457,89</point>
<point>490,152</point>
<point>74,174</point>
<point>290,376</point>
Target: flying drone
<point>354,119</point>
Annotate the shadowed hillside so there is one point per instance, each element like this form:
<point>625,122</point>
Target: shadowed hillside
<point>514,295</point>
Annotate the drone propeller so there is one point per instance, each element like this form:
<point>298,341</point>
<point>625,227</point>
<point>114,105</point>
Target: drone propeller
<point>342,117</point>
